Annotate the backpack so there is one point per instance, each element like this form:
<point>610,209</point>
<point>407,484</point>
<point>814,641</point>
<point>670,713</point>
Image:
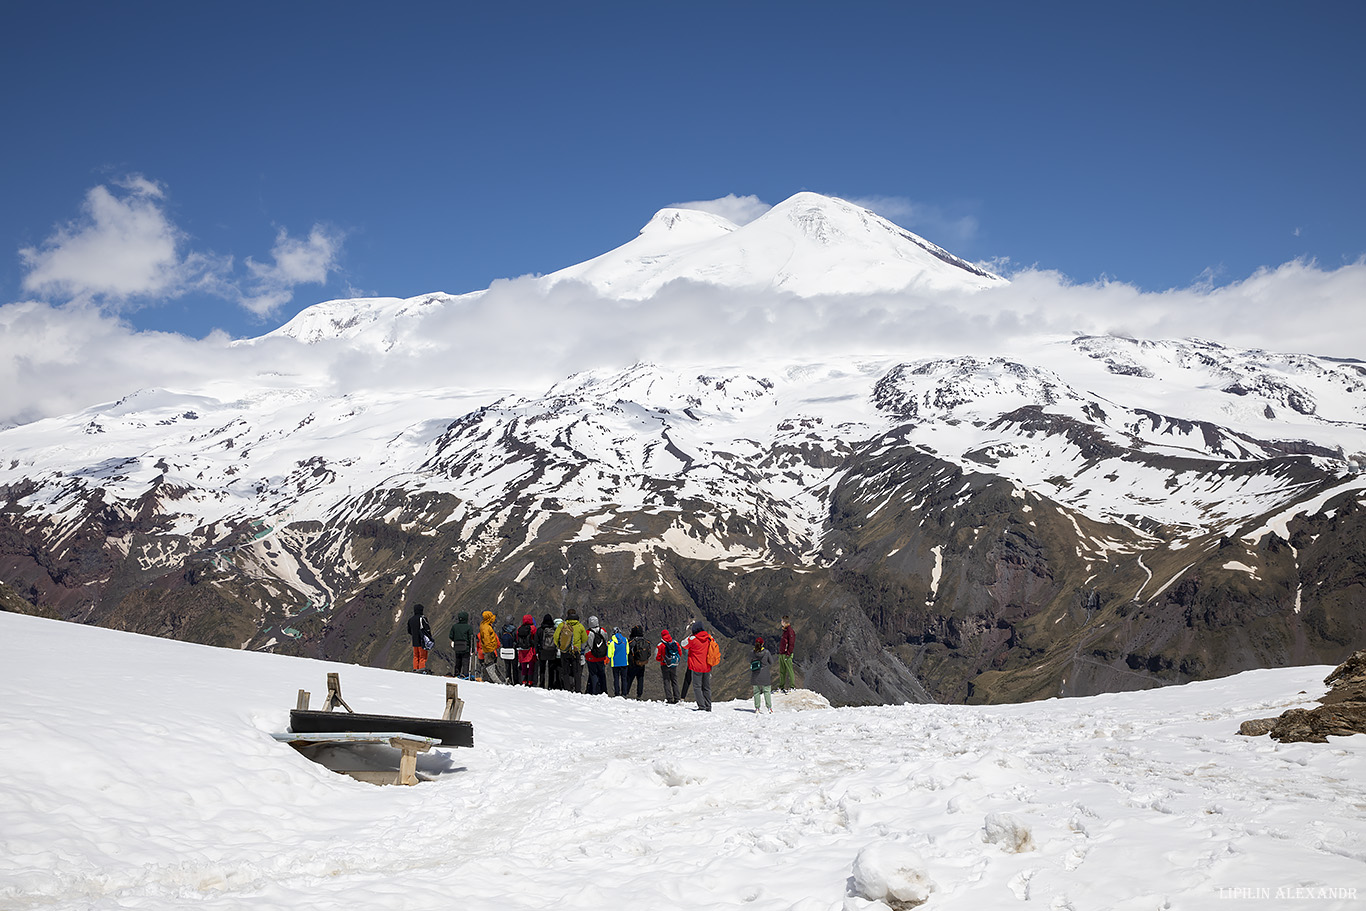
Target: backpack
<point>564,637</point>
<point>599,647</point>
<point>713,654</point>
<point>525,637</point>
<point>640,652</point>
<point>755,665</point>
<point>545,638</point>
<point>671,654</point>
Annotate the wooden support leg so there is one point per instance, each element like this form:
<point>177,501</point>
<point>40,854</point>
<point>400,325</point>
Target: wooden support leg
<point>334,696</point>
<point>407,763</point>
<point>454,704</point>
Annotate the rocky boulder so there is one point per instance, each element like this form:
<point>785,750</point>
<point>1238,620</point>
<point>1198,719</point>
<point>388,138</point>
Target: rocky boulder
<point>1342,711</point>
<point>1314,725</point>
<point>1348,681</point>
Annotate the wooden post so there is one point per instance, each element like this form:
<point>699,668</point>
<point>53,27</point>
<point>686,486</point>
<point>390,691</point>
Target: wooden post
<point>302,705</point>
<point>407,763</point>
<point>334,696</point>
<point>454,704</point>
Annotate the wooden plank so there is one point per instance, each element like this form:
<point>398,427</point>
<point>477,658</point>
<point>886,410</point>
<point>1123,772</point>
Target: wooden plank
<point>303,701</point>
<point>452,733</point>
<point>393,738</point>
<point>371,776</point>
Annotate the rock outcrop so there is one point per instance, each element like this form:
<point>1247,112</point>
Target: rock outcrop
<point>1342,711</point>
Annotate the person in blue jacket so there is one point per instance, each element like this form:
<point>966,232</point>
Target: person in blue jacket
<point>618,655</point>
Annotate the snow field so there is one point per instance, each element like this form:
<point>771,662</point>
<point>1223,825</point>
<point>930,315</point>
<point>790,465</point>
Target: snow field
<point>139,773</point>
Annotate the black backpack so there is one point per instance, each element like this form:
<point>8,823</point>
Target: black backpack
<point>598,648</point>
<point>545,639</point>
<point>640,652</point>
<point>526,636</point>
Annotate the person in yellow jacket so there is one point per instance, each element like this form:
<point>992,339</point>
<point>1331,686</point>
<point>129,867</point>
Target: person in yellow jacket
<point>488,649</point>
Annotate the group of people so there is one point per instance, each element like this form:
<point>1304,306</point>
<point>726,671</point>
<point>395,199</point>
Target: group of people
<point>557,654</point>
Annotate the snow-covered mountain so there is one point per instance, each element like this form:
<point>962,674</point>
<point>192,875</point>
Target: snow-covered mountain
<point>1091,514</point>
<point>807,245</point>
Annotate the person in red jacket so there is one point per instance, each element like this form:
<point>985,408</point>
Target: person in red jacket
<point>699,662</point>
<point>667,654</point>
<point>787,644</point>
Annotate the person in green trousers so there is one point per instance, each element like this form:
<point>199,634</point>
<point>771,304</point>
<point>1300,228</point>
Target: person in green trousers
<point>787,644</point>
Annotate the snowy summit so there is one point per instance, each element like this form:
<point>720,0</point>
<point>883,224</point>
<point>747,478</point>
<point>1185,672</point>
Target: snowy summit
<point>806,245</point>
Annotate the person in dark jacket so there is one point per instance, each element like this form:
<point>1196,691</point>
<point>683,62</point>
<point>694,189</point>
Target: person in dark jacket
<point>761,674</point>
<point>462,643</point>
<point>421,633</point>
<point>668,654</point>
<point>595,657</point>
<point>524,640</point>
<point>638,651</point>
<point>787,644</point>
<point>507,641</point>
<point>547,656</point>
<point>687,667</point>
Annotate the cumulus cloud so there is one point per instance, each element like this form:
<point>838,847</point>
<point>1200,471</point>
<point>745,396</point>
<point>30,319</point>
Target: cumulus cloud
<point>738,209</point>
<point>522,336</point>
<point>296,262</point>
<point>124,250</point>
<point>122,247</point>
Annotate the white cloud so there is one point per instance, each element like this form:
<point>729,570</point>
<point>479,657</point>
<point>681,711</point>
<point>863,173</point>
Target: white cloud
<point>122,247</point>
<point>124,250</point>
<point>740,210</point>
<point>297,262</point>
<point>520,335</point>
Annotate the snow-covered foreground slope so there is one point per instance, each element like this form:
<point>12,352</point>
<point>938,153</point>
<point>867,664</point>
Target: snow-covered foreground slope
<point>139,773</point>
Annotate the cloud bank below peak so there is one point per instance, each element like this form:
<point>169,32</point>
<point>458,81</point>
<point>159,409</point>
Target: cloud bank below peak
<point>522,336</point>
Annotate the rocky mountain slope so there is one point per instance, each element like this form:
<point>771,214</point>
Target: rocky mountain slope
<point>1102,514</point>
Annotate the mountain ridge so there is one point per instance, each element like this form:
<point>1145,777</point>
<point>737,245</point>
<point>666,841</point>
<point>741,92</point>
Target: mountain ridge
<point>1096,513</point>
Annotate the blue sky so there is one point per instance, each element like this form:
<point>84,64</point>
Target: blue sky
<point>258,158</point>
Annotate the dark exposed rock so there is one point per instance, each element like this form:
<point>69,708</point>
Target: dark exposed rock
<point>1347,682</point>
<point>1315,725</point>
<point>1256,727</point>
<point>1341,714</point>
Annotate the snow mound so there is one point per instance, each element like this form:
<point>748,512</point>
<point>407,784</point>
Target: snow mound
<point>892,875</point>
<point>1005,830</point>
<point>799,701</point>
